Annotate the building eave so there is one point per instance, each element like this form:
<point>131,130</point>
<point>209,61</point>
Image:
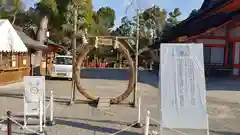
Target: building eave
<point>203,13</point>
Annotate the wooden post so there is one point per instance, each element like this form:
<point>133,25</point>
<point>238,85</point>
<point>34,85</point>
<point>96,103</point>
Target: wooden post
<point>9,123</point>
<point>50,66</point>
<point>120,60</point>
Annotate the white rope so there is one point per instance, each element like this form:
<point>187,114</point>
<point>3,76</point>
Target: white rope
<point>24,127</point>
<point>155,120</point>
<point>177,131</point>
<point>47,105</point>
<point>124,129</point>
<point>2,121</point>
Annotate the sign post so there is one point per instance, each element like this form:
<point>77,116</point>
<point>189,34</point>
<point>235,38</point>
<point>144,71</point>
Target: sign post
<point>182,87</point>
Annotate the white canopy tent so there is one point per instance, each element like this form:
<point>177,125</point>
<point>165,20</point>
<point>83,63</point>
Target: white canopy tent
<point>9,39</point>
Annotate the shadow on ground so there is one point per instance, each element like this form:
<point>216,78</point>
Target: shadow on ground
<point>100,121</point>
<point>224,133</point>
<point>56,99</point>
<point>93,127</point>
<point>223,84</point>
<point>103,121</point>
<point>145,76</point>
<point>151,78</point>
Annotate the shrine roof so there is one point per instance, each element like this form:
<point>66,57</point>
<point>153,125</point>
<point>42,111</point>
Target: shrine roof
<point>207,17</point>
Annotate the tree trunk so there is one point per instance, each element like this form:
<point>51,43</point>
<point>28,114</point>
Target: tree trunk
<point>41,34</point>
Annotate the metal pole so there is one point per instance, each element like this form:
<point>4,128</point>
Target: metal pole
<point>9,123</point>
<point>41,114</point>
<point>139,110</point>
<point>51,121</point>
<point>51,107</point>
<point>46,59</point>
<point>136,60</point>
<point>73,90</point>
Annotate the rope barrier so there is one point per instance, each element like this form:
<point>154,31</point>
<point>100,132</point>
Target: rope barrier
<point>147,120</point>
<point>155,120</point>
<point>47,106</point>
<point>124,129</point>
<point>23,127</point>
<point>11,120</point>
<point>177,131</point>
<point>42,114</point>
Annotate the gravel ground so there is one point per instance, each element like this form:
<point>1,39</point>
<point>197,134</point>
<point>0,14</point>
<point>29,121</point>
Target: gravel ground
<point>82,119</point>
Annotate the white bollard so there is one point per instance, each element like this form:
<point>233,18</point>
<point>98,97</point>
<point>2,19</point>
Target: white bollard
<point>51,107</point>
<point>137,124</point>
<point>24,116</point>
<point>146,130</point>
<point>41,115</point>
<point>139,110</point>
<point>161,129</point>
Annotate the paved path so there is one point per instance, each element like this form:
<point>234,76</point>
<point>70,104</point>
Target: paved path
<point>82,119</point>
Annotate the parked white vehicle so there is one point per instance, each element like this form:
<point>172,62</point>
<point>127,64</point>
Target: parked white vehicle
<point>62,67</point>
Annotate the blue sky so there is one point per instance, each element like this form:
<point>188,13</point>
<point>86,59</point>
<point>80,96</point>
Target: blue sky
<point>186,6</point>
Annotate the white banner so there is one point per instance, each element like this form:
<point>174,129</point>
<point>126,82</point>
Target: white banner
<point>182,85</point>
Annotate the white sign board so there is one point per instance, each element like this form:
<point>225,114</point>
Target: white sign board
<point>182,85</point>
<point>34,93</point>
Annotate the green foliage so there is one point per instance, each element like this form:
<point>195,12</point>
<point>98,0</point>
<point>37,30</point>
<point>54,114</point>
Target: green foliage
<point>46,7</point>
<point>60,13</point>
<point>103,21</point>
<point>84,15</point>
<point>155,15</point>
<point>125,29</point>
<point>173,16</point>
<point>106,16</point>
<point>153,22</point>
<point>97,27</point>
<point>9,11</point>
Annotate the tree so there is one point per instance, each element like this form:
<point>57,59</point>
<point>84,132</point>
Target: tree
<point>10,9</point>
<point>45,8</point>
<point>173,16</point>
<point>125,29</point>
<point>84,16</point>
<point>106,16</point>
<point>154,22</point>
<point>103,21</point>
<point>155,19</point>
<point>98,27</point>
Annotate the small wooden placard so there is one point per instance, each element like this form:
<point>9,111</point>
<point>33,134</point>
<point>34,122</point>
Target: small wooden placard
<point>106,42</point>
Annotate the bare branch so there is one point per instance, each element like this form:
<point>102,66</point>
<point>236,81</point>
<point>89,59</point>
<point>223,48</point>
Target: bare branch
<point>14,16</point>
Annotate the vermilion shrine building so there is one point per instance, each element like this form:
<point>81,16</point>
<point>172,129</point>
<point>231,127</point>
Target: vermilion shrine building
<point>217,25</point>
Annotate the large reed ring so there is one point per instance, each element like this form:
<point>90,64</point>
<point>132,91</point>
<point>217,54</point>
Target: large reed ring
<point>82,53</point>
